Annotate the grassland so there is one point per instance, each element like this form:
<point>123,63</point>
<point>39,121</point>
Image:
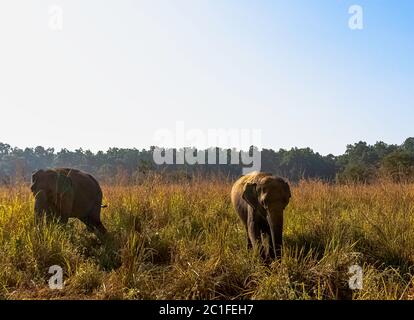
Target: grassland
<point>184,241</point>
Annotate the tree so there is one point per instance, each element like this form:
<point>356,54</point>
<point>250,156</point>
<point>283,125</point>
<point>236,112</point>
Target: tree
<point>361,162</point>
<point>356,172</point>
<point>408,145</point>
<point>4,149</point>
<point>398,165</point>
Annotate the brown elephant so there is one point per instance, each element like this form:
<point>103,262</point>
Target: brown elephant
<point>260,199</point>
<point>64,193</point>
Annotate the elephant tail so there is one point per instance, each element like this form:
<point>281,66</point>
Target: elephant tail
<point>104,206</point>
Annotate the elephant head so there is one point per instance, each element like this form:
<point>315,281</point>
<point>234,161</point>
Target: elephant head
<point>268,197</point>
<point>53,191</point>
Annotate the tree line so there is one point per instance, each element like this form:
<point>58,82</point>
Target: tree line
<point>361,162</point>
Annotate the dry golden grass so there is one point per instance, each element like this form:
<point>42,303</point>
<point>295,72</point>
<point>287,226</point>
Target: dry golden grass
<point>184,241</point>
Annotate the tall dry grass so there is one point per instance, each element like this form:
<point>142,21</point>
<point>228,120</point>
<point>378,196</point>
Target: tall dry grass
<point>184,241</point>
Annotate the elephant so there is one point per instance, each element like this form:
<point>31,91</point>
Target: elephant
<point>259,199</point>
<point>64,193</point>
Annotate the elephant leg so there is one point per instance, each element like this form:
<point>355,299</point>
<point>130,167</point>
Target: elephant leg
<point>93,220</point>
<point>40,216</point>
<point>86,221</point>
<point>65,207</point>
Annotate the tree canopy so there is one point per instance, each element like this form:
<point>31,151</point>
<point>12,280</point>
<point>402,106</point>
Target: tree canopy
<point>361,162</point>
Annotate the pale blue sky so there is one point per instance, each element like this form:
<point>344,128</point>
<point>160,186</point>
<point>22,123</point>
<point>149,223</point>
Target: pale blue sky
<point>121,70</point>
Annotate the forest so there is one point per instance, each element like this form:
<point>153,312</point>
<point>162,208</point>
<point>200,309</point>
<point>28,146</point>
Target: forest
<point>361,162</point>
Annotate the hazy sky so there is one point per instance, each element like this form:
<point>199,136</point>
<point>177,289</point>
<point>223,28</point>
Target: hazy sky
<point>119,71</point>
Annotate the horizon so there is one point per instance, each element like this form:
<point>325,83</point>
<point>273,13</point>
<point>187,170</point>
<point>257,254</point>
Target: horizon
<point>147,148</point>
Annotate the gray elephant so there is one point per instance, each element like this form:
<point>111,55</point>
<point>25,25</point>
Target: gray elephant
<point>64,193</point>
<point>260,199</point>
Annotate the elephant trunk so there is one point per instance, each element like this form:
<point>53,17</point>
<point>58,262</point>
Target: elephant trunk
<point>275,221</point>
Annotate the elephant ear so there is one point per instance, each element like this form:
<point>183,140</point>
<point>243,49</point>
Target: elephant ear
<point>250,195</point>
